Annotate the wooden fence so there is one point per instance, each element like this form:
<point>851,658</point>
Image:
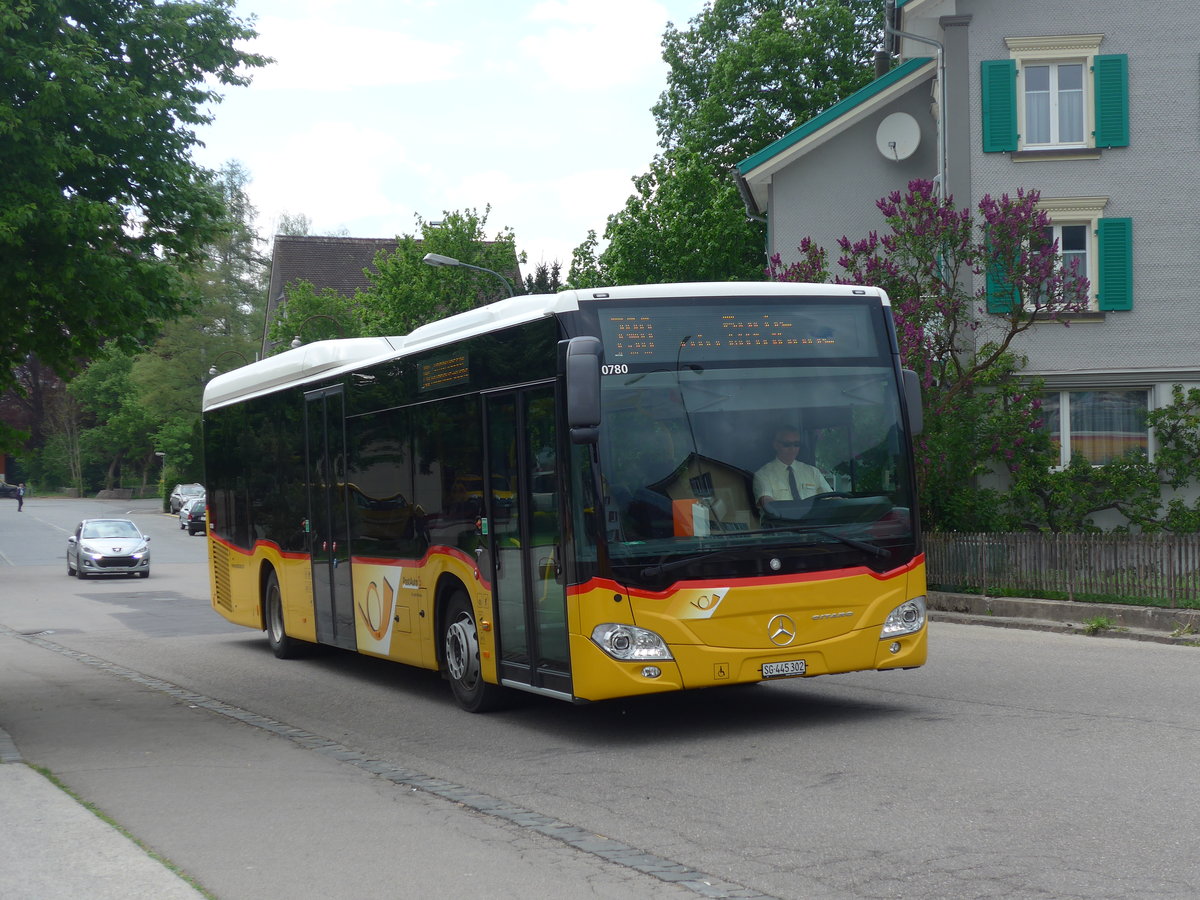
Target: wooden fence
<point>1162,569</point>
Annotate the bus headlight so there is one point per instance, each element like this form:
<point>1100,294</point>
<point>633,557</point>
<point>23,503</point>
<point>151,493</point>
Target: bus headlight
<point>630,642</point>
<point>907,618</point>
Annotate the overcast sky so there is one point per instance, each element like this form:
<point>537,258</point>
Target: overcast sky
<point>378,110</point>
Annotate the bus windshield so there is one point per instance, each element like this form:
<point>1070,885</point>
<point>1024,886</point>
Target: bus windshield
<point>791,455</point>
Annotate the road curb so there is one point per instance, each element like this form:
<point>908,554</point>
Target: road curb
<point>1139,623</point>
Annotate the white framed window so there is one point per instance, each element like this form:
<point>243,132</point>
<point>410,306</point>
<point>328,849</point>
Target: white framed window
<point>1053,104</point>
<point>1073,223</point>
<point>1099,425</point>
<point>1054,90</point>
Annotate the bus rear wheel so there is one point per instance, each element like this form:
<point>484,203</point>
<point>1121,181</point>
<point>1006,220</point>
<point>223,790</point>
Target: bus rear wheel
<point>460,646</point>
<point>282,646</point>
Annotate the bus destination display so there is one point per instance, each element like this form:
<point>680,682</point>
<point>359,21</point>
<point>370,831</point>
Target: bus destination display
<point>446,372</point>
<point>764,332</point>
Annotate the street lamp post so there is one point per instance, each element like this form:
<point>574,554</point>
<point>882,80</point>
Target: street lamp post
<point>436,259</point>
<point>162,478</point>
<point>212,370</point>
<point>297,342</point>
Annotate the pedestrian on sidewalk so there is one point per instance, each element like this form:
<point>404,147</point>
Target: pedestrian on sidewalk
<point>20,496</point>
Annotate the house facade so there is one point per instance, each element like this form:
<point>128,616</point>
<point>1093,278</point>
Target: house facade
<point>1094,104</point>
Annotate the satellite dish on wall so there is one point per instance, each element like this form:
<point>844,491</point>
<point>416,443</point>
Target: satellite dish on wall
<point>898,136</point>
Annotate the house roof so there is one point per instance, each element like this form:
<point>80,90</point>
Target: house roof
<point>323,261</point>
<point>758,169</point>
<point>326,262</point>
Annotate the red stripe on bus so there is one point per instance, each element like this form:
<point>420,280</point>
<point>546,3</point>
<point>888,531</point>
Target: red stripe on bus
<point>366,560</point>
<point>234,548</point>
<point>596,584</point>
<point>413,562</point>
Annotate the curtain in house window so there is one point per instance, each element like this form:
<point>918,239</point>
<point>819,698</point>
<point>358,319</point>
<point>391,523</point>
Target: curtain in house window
<point>1073,249</point>
<point>1106,425</point>
<point>1037,104</point>
<point>1099,425</point>
<point>1070,103</point>
<point>1051,420</point>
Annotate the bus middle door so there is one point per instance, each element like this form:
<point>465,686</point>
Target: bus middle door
<point>521,486</point>
<point>333,598</point>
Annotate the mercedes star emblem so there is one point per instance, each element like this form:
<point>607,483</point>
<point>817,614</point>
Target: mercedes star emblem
<point>781,630</point>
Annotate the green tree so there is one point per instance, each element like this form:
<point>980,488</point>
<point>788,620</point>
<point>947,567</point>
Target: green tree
<point>223,332</point>
<point>684,223</point>
<point>102,210</point>
<point>745,72</point>
<point>586,270</point>
<point>118,425</point>
<point>313,315</point>
<point>546,279</point>
<point>59,461</point>
<point>406,292</point>
<point>231,283</point>
<point>741,75</point>
<point>293,223</point>
<point>1146,492</point>
<point>128,405</point>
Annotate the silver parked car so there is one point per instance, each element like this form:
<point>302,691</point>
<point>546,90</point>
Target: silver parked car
<point>108,547</point>
<point>183,493</point>
<point>186,508</point>
<point>193,516</point>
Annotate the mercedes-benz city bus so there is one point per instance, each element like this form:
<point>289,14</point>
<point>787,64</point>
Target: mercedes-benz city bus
<point>571,494</point>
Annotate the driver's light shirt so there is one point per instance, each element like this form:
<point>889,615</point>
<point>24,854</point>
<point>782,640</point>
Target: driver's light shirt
<point>772,481</point>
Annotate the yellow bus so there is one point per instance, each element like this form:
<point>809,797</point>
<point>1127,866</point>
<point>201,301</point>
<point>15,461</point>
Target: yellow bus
<point>586,495</point>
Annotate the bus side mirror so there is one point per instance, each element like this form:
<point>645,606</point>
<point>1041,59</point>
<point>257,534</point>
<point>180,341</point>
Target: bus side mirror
<point>912,399</point>
<point>582,370</point>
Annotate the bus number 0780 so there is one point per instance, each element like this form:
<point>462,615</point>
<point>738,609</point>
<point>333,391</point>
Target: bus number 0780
<point>620,369</point>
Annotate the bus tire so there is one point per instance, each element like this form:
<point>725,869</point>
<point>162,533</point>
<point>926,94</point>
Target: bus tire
<point>282,646</point>
<point>460,649</point>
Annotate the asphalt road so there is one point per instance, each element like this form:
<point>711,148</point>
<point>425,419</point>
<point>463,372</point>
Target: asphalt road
<point>1015,764</point>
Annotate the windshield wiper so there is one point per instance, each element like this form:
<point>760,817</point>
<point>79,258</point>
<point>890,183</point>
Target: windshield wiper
<point>651,571</point>
<point>873,549</point>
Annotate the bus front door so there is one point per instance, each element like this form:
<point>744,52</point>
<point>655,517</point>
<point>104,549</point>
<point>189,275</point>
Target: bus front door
<point>524,530</point>
<point>333,599</point>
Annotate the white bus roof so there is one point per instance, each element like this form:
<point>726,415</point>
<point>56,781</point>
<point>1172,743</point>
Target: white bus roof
<point>324,359</point>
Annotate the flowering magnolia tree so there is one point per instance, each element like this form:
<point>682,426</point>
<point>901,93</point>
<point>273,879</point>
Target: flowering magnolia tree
<point>978,416</point>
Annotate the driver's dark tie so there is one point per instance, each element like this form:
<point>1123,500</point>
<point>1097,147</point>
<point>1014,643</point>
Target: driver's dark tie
<point>792,483</point>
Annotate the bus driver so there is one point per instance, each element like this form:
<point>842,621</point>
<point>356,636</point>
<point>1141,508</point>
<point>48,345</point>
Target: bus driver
<point>785,477</point>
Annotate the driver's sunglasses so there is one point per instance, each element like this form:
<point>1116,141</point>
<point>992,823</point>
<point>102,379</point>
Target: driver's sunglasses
<point>788,443</point>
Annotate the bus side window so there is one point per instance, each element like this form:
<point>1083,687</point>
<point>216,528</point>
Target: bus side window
<point>448,458</point>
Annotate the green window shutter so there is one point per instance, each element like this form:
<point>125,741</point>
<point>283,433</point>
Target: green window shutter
<point>1001,295</point>
<point>1110,78</point>
<point>1115,252</point>
<point>998,79</point>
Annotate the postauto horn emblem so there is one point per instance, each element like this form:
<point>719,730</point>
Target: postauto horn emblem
<point>781,630</point>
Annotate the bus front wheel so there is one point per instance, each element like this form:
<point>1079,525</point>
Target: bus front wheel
<point>282,646</point>
<point>460,645</point>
